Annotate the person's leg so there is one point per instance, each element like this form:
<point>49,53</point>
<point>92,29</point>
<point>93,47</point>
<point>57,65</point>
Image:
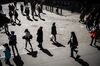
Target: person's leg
<point>13,50</point>
<point>26,44</point>
<point>30,44</point>
<point>95,41</point>
<point>55,38</point>
<point>91,41</point>
<point>72,52</point>
<point>16,49</point>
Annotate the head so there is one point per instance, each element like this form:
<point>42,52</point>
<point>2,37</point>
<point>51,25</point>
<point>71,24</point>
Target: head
<point>73,34</point>
<point>12,32</point>
<point>5,45</point>
<point>53,23</point>
<point>26,30</point>
<point>41,27</point>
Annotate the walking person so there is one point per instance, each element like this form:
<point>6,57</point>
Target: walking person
<point>73,44</point>
<point>27,11</point>
<point>39,10</point>
<point>13,42</point>
<point>93,34</point>
<point>27,38</point>
<point>33,8</point>
<point>22,8</point>
<point>16,16</point>
<point>54,31</point>
<point>40,37</point>
<point>7,53</point>
<point>11,16</point>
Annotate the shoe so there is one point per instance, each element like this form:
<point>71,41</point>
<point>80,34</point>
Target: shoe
<point>90,44</point>
<point>76,51</point>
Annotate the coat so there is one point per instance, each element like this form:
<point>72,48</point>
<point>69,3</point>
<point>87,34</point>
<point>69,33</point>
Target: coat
<point>40,36</point>
<point>53,30</point>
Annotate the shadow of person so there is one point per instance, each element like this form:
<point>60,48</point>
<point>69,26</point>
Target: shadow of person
<point>58,44</point>
<point>46,52</point>
<point>18,61</point>
<point>98,47</point>
<point>32,53</point>
<point>80,61</point>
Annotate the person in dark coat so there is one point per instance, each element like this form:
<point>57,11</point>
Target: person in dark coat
<point>16,16</point>
<point>22,8</point>
<point>11,16</point>
<point>54,31</point>
<point>33,8</point>
<point>73,43</point>
<point>13,42</point>
<point>40,37</point>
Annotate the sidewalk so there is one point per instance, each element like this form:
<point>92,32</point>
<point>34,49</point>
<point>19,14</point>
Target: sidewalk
<point>90,56</point>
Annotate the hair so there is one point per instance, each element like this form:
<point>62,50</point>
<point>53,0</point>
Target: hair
<point>12,32</point>
<point>74,37</point>
<point>26,30</point>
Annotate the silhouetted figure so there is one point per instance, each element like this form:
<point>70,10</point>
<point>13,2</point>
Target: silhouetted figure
<point>54,31</point>
<point>13,42</point>
<point>7,52</point>
<point>73,43</point>
<point>27,38</point>
<point>16,16</point>
<point>39,10</point>
<point>11,16</point>
<point>22,8</point>
<point>82,16</point>
<point>15,4</point>
<point>40,37</point>
<point>27,11</point>
<point>93,36</point>
<point>10,7</point>
<point>33,8</point>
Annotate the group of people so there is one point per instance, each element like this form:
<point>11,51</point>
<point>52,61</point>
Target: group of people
<point>28,36</point>
<point>91,19</point>
<point>13,12</point>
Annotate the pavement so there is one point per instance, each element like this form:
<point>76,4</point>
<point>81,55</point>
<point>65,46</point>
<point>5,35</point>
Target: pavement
<point>52,55</point>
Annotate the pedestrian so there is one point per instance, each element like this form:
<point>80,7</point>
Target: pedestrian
<point>73,44</point>
<point>22,8</point>
<point>27,38</point>
<point>39,10</point>
<point>13,42</point>
<point>7,53</point>
<point>40,37</point>
<point>33,8</point>
<point>54,31</point>
<point>93,34</point>
<point>27,11</point>
<point>16,16</point>
<point>11,16</point>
